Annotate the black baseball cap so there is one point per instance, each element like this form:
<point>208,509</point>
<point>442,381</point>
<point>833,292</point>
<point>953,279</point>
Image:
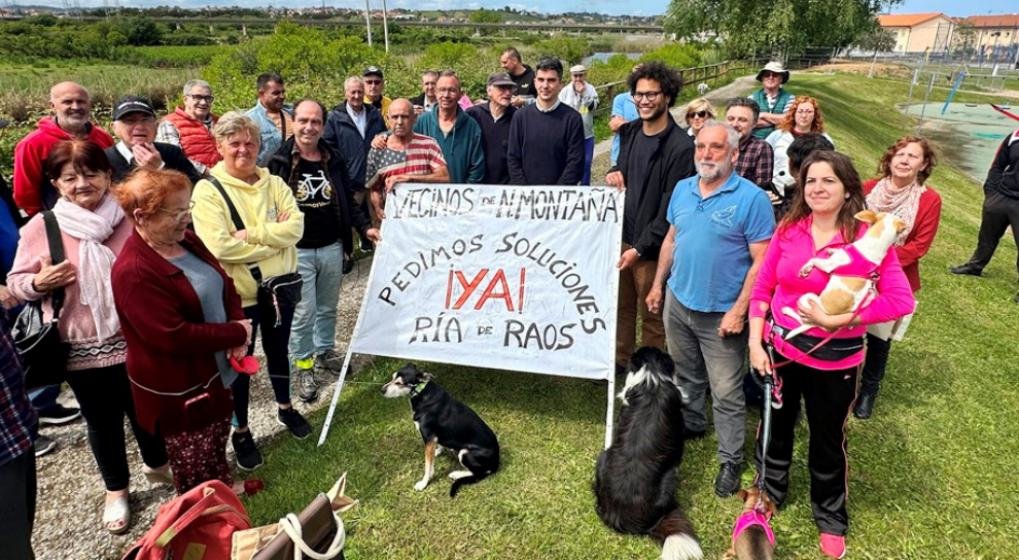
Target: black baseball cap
<point>373,71</point>
<point>132,104</point>
<point>501,79</point>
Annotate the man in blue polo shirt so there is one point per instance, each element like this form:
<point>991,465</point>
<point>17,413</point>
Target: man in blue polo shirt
<point>720,225</point>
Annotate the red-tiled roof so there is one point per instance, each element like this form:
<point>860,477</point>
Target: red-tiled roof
<point>906,20</point>
<point>1007,21</point>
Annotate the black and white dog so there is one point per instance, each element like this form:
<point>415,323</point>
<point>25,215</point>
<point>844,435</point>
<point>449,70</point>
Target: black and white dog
<point>635,480</point>
<point>445,422</point>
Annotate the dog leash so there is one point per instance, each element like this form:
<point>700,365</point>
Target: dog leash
<point>824,341</point>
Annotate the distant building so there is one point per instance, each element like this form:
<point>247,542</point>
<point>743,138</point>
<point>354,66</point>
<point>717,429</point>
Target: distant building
<point>991,38</point>
<point>919,33</point>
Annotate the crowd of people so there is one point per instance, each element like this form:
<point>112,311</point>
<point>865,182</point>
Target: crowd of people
<point>189,235</point>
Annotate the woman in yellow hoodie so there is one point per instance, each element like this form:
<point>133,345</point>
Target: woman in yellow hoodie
<point>257,236</point>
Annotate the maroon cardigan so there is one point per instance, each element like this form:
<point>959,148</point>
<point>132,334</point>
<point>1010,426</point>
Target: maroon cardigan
<point>170,347</point>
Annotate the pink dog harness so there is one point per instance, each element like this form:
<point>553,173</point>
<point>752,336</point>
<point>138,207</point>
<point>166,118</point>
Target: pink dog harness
<point>858,266</point>
<point>750,518</point>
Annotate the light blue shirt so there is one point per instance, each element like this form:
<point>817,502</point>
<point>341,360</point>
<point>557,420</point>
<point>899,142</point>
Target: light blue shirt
<point>622,106</point>
<point>711,257</point>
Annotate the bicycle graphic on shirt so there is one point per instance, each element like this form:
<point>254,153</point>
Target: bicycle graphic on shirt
<point>311,187</point>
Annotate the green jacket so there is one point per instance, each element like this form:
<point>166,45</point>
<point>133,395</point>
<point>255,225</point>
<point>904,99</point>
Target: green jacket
<point>782,103</point>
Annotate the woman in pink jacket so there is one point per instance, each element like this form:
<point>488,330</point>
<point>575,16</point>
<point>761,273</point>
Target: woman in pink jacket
<point>822,364</point>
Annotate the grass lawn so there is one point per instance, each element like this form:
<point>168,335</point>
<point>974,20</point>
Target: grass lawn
<point>930,474</point>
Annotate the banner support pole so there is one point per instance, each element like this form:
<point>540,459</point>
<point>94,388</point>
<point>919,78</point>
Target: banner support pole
<point>610,410</point>
<point>336,399</point>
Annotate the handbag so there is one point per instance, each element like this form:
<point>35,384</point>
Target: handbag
<point>317,533</point>
<point>283,291</point>
<point>43,352</point>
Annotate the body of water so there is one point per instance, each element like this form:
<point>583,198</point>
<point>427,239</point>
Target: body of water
<point>605,56</point>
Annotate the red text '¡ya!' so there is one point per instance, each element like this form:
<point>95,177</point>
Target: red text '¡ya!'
<point>460,289</point>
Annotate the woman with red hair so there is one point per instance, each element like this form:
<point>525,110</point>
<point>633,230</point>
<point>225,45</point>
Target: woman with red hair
<point>804,116</point>
<point>905,167</point>
<point>183,320</point>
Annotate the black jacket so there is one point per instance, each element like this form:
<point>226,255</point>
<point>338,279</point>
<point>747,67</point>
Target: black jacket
<point>672,161</point>
<point>1003,176</point>
<point>173,158</point>
<point>342,136</point>
<point>283,164</point>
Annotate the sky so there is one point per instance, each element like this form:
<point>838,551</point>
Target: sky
<point>613,7</point>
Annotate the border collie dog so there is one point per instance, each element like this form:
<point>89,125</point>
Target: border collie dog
<point>446,423</point>
<point>635,479</point>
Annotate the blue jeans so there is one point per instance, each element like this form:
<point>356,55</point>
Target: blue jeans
<point>588,158</point>
<point>314,329</point>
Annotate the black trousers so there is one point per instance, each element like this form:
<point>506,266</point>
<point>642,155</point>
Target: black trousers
<point>874,364</point>
<point>104,395</point>
<point>17,515</point>
<point>275,345</point>
<point>999,213</point>
<point>828,396</point>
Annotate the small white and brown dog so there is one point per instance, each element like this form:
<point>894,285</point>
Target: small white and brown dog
<point>852,269</point>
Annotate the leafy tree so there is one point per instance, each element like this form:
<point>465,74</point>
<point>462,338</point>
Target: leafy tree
<point>746,26</point>
<point>141,31</point>
<point>876,40</point>
<point>570,49</point>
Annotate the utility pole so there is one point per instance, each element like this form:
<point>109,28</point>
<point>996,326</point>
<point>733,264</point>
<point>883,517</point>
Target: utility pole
<point>385,25</point>
<point>368,21</point>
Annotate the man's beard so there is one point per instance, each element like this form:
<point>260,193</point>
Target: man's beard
<point>712,170</point>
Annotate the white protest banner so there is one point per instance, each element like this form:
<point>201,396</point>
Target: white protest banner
<point>508,277</point>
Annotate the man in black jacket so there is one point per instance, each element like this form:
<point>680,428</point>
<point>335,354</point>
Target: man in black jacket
<point>134,122</point>
<point>318,177</point>
<point>654,154</point>
<point>349,130</point>
<point>495,118</point>
<point>1001,208</point>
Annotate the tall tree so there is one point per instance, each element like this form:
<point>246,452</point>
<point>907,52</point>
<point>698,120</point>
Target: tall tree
<point>746,26</point>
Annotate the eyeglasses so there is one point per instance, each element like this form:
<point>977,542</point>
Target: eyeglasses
<point>647,95</point>
<point>373,82</point>
<point>807,111</point>
<point>441,91</point>
<point>698,114</point>
<point>178,214</point>
<point>770,75</point>
<point>205,98</point>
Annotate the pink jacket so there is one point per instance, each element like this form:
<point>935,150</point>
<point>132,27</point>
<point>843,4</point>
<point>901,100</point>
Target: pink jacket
<point>76,324</point>
<point>779,285</point>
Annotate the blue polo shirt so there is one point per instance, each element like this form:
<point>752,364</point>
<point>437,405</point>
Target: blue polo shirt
<point>712,255</point>
<point>622,106</point>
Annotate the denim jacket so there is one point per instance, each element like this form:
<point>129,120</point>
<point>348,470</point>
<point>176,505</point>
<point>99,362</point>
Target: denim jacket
<point>271,136</point>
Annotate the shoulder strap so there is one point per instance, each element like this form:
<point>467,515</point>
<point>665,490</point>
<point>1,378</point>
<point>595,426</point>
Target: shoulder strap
<point>57,256</point>
<point>235,216</point>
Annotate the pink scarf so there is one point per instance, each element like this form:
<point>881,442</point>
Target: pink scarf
<point>902,202</point>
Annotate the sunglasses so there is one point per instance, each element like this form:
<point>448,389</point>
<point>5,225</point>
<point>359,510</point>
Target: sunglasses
<point>373,82</point>
<point>698,114</point>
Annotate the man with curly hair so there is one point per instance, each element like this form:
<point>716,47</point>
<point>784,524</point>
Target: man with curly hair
<point>654,154</point>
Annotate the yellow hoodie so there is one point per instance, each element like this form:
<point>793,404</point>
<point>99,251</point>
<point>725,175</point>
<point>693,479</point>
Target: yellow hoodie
<point>270,244</point>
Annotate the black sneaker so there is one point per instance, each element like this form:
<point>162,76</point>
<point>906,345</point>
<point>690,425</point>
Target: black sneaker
<point>44,445</point>
<point>307,388</point>
<point>58,415</point>
<point>967,269</point>
<point>294,422</point>
<point>728,479</point>
<point>248,457</point>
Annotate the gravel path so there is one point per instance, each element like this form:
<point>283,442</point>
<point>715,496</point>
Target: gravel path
<point>70,501</point>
